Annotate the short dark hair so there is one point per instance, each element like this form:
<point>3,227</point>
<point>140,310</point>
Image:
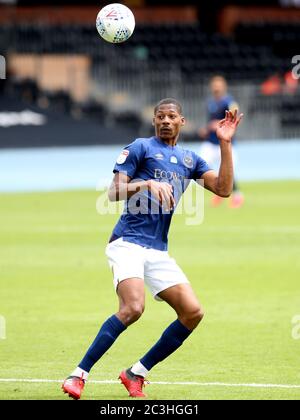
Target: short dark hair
<point>168,101</point>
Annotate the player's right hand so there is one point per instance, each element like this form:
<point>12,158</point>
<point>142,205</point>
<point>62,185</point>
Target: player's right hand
<point>163,192</point>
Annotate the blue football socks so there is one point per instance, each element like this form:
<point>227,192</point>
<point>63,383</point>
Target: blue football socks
<point>171,340</point>
<point>109,332</point>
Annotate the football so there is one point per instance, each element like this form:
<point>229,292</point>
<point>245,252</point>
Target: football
<point>115,23</point>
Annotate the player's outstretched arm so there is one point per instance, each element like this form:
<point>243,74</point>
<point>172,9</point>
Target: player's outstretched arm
<point>222,183</point>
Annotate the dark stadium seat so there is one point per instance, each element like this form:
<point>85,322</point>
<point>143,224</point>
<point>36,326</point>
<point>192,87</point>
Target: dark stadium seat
<point>257,49</point>
<point>255,52</point>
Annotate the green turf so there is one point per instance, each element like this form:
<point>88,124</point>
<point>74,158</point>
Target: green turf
<point>56,290</point>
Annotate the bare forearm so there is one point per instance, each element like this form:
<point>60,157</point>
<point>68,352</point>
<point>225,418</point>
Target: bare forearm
<point>123,191</point>
<point>224,181</point>
<point>222,184</point>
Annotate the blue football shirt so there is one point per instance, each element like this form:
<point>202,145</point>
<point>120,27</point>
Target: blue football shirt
<point>143,221</point>
<point>216,111</point>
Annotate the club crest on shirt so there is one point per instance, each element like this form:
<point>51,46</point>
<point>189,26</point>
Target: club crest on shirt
<point>188,161</point>
<point>173,159</point>
<point>123,156</point>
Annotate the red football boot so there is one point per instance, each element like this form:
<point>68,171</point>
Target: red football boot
<point>216,201</point>
<point>73,386</point>
<point>237,200</point>
<point>133,383</point>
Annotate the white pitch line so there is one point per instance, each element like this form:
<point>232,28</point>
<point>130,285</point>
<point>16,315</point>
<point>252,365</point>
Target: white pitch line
<point>204,384</point>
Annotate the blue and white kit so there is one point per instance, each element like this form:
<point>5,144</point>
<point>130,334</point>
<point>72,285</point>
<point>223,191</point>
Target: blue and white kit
<point>139,242</point>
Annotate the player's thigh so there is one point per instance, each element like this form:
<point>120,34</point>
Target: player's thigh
<point>131,291</point>
<point>162,272</point>
<point>131,294</point>
<point>126,261</point>
<point>183,300</point>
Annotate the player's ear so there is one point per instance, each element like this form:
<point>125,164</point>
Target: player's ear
<point>153,121</point>
<point>182,121</point>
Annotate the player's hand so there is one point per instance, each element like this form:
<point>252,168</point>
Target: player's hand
<point>227,127</point>
<point>163,192</point>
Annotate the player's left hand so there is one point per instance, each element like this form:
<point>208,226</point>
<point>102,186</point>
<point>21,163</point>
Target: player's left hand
<point>227,127</point>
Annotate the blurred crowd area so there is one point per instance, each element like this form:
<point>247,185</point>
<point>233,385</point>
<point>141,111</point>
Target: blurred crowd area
<point>60,73</point>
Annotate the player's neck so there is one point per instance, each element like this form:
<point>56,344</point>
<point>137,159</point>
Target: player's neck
<point>219,97</point>
<point>170,142</point>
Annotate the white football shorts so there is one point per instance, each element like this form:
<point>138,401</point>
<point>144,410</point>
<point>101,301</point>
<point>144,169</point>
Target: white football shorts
<point>211,153</point>
<point>158,270</point>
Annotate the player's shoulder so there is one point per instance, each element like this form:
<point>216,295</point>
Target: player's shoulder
<point>195,163</point>
<point>229,97</point>
<point>141,142</point>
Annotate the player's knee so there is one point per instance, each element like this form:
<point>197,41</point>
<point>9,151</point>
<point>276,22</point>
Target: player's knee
<point>132,312</point>
<point>192,318</point>
<point>135,311</point>
<point>196,317</point>
<point>200,315</point>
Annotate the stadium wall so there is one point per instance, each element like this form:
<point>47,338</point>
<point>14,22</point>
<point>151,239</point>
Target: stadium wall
<point>87,14</point>
<point>75,168</point>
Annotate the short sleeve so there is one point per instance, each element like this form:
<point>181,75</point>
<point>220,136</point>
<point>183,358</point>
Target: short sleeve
<point>200,167</point>
<point>130,158</point>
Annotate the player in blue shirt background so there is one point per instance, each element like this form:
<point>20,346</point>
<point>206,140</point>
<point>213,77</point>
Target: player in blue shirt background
<point>150,175</point>
<point>217,104</point>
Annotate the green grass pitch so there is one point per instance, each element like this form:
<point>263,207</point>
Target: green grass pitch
<point>56,290</point>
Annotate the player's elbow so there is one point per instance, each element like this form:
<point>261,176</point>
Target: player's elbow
<point>224,194</point>
<point>113,194</point>
<point>222,189</point>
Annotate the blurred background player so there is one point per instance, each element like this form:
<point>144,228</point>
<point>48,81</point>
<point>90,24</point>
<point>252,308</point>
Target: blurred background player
<point>217,105</point>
